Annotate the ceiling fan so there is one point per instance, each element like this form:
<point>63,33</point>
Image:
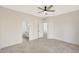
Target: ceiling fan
<point>46,9</point>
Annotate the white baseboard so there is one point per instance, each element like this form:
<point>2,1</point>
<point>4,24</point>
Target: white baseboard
<point>10,44</point>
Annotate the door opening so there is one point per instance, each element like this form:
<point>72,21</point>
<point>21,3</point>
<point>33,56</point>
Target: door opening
<point>45,30</point>
<point>25,31</point>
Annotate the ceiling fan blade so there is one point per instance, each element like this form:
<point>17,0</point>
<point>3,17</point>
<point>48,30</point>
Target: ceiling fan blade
<point>40,8</point>
<point>50,7</point>
<point>40,11</point>
<point>51,10</point>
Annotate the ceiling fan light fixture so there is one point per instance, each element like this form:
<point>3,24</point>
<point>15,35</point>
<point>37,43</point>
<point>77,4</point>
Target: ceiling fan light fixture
<point>45,12</point>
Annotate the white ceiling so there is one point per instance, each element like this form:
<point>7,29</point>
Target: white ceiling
<point>32,9</point>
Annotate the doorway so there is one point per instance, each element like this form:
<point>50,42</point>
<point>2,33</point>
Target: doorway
<point>45,30</point>
<point>25,31</point>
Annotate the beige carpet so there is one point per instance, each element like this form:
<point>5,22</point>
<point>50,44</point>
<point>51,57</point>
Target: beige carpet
<point>41,46</point>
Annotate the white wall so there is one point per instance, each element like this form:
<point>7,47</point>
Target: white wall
<point>64,27</point>
<point>10,28</point>
<point>34,34</point>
